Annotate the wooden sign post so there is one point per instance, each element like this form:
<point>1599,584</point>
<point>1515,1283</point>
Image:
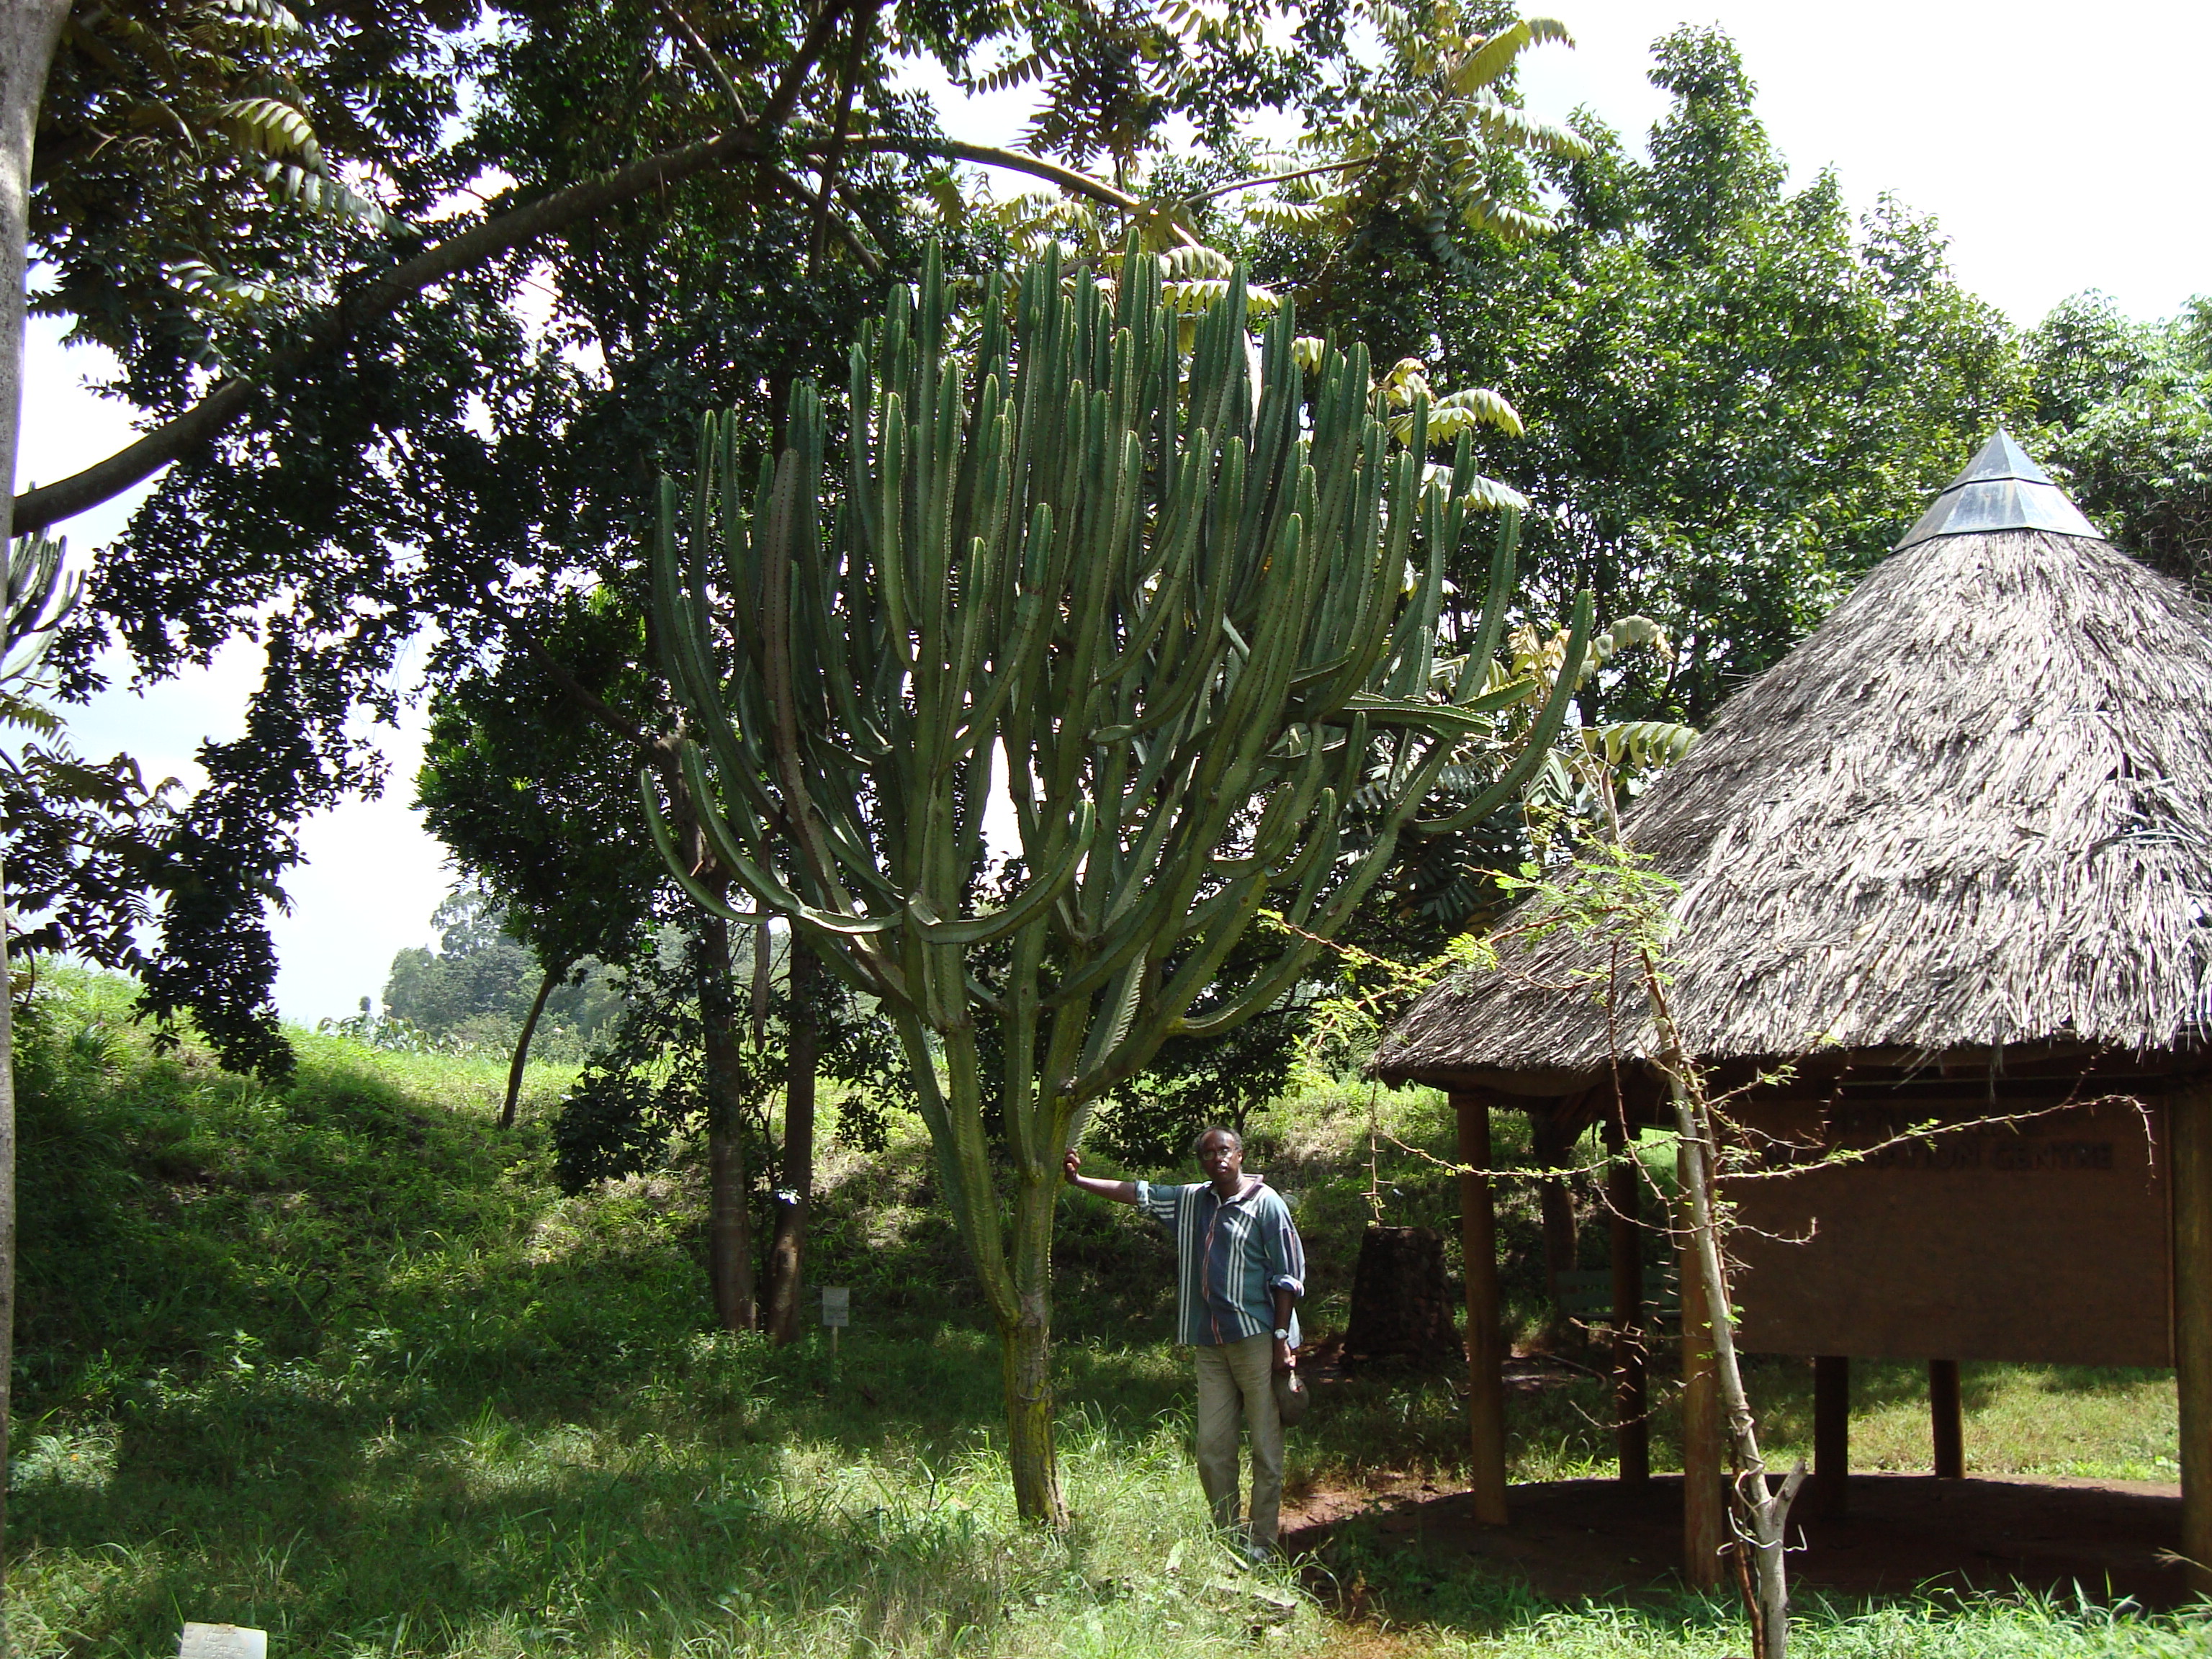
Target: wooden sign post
<point>836,1311</point>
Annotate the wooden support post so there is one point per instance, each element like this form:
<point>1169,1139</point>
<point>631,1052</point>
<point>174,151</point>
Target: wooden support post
<point>1831,1435</point>
<point>2189,1137</point>
<point>1946,1421</point>
<point>1704,1495</point>
<point>1624,1194</point>
<point>1552,1147</point>
<point>1486,1331</point>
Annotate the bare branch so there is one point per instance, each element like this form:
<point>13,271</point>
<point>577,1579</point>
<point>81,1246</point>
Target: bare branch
<point>1265,179</point>
<point>871,261</point>
<point>840,130</point>
<point>792,81</point>
<point>705,53</point>
<point>1014,160</point>
<point>374,298</point>
<point>379,296</point>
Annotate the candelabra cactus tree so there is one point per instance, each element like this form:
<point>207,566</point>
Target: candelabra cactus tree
<point>1166,614</point>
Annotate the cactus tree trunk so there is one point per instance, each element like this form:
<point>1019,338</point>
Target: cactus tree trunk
<point>1025,1343</point>
<point>1171,601</point>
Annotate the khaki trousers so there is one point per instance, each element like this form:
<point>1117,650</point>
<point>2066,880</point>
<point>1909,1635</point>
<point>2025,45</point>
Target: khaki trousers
<point>1236,1379</point>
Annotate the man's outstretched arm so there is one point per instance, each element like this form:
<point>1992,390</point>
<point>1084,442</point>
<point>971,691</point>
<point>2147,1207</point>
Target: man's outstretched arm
<point>1121,1192</point>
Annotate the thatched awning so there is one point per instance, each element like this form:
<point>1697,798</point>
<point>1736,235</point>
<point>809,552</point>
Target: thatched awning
<point>1973,811</point>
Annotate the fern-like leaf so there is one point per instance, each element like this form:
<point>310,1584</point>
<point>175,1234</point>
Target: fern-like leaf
<point>1485,211</point>
<point>1503,123</point>
<point>1491,59</point>
<point>1488,494</point>
<point>319,192</point>
<point>1297,218</point>
<point>1194,299</point>
<point>1640,745</point>
<point>1185,264</point>
<point>272,128</point>
<point>1481,405</point>
<point>1030,66</point>
<point>217,290</point>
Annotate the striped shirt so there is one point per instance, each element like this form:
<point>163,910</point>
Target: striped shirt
<point>1231,1256</point>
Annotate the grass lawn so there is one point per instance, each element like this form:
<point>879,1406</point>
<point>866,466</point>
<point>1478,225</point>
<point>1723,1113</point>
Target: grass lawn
<point>340,1362</point>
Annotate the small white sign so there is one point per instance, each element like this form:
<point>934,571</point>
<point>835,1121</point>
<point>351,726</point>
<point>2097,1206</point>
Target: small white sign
<point>836,1304</point>
<point>223,1641</point>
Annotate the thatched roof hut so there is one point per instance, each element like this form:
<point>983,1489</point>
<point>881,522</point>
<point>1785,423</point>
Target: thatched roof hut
<point>1973,812</point>
<point>1950,862</point>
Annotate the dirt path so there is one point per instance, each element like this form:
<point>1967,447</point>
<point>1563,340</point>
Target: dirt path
<point>1571,1539</point>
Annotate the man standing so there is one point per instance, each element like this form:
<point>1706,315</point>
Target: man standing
<point>1240,1271</point>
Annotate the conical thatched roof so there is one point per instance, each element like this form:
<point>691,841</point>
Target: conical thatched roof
<point>1974,809</point>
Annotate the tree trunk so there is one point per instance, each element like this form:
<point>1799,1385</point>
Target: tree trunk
<point>1704,1453</point>
<point>1831,1435</point>
<point>1401,1302</point>
<point>729,1222</point>
<point>1026,1355</point>
<point>1026,1366</point>
<point>764,970</point>
<point>1761,1510</point>
<point>7,1237</point>
<point>1013,1263</point>
<point>787,1250</point>
<point>29,31</point>
<point>553,977</point>
<point>1945,1427</point>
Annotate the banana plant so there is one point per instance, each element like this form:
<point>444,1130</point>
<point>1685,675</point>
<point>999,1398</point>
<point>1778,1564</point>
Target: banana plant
<point>1165,609</point>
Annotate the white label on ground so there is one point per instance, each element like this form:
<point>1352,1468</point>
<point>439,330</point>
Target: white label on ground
<point>223,1641</point>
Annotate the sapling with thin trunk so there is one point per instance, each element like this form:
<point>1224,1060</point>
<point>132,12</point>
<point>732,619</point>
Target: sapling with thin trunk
<point>1758,1504</point>
<point>1611,891</point>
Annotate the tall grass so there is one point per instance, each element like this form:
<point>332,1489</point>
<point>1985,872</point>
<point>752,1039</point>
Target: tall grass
<point>339,1362</point>
<point>729,1507</point>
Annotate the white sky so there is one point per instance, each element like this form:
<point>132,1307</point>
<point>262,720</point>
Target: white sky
<point>2061,147</point>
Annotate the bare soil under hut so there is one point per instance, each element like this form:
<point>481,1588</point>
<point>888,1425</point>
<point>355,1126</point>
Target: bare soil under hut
<point>1905,1533</point>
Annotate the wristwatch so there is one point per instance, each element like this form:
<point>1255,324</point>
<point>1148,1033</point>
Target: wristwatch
<point>1281,1335</point>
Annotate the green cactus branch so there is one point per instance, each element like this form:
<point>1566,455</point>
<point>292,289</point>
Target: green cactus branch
<point>1081,559</point>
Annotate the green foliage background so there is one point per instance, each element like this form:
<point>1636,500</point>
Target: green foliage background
<point>1736,397</point>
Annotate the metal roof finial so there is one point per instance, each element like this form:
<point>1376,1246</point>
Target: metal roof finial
<point>2000,489</point>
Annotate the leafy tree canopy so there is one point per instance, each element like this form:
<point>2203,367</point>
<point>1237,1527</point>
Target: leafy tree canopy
<point>2128,414</point>
<point>381,425</point>
<point>1735,397</point>
<point>480,980</point>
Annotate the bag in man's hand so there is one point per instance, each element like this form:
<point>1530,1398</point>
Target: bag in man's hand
<point>1292,1398</point>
